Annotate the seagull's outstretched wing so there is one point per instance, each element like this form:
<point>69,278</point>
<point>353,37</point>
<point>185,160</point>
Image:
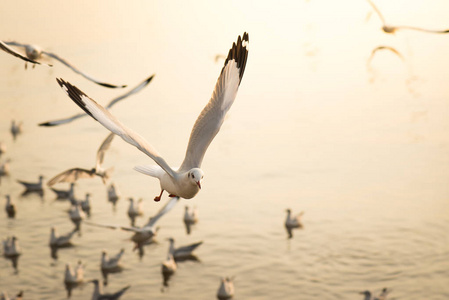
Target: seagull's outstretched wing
<point>209,121</point>
<point>64,62</point>
<point>187,249</point>
<point>103,116</point>
<point>71,175</point>
<point>381,17</point>
<point>11,51</point>
<point>167,207</point>
<point>423,29</point>
<point>102,150</point>
<point>113,101</point>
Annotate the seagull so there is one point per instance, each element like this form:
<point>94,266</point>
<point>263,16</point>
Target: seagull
<point>34,52</point>
<point>74,174</point>
<point>4,167</point>
<point>190,218</point>
<point>145,234</point>
<point>62,240</point>
<point>111,103</point>
<point>184,182</point>
<point>65,194</point>
<point>33,187</point>
<point>382,296</point>
<point>182,252</point>
<point>4,296</point>
<point>85,204</point>
<point>98,295</point>
<point>11,51</point>
<point>292,222</point>
<point>113,263</point>
<point>169,265</point>
<point>135,209</point>
<point>392,29</point>
<point>226,289</point>
<point>11,247</point>
<point>10,207</point>
<point>77,215</point>
<point>113,193</point>
<point>384,48</point>
<point>70,275</point>
<point>16,128</point>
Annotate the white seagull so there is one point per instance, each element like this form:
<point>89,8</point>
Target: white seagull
<point>11,247</point>
<point>111,103</point>
<point>74,174</point>
<point>226,289</point>
<point>135,208</point>
<point>182,252</point>
<point>382,296</point>
<point>12,51</point>
<point>61,240</point>
<point>65,194</point>
<point>184,182</point>
<point>34,53</point>
<point>190,218</point>
<point>111,264</point>
<point>292,222</point>
<point>33,187</point>
<point>85,204</point>
<point>392,29</point>
<point>16,128</point>
<point>73,276</point>
<point>113,193</point>
<point>10,207</point>
<point>98,295</point>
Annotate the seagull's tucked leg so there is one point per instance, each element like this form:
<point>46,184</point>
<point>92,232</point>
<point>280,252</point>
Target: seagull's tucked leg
<point>158,198</point>
<point>172,196</point>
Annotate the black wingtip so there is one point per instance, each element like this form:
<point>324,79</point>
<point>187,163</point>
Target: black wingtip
<point>239,53</point>
<point>111,86</point>
<point>46,124</point>
<point>75,94</point>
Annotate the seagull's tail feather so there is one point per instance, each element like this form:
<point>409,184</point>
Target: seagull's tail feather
<point>151,170</point>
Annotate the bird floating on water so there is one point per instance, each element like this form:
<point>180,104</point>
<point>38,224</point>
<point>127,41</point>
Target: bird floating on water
<point>98,295</point>
<point>63,240</point>
<point>111,264</point>
<point>292,222</point>
<point>33,187</point>
<point>382,296</point>
<point>226,289</point>
<point>392,29</point>
<point>190,218</point>
<point>145,234</point>
<point>65,194</point>
<point>111,103</point>
<point>183,252</point>
<point>16,128</point>
<point>34,53</point>
<point>11,247</point>
<point>113,193</point>
<point>74,174</point>
<point>184,182</point>
<point>10,207</point>
<point>4,167</point>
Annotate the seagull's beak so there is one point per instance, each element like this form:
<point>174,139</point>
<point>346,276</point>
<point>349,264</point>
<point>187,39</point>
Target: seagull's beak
<point>198,183</point>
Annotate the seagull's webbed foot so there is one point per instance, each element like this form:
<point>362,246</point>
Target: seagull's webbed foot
<point>158,198</point>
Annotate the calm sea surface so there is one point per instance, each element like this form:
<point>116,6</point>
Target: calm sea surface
<point>362,149</point>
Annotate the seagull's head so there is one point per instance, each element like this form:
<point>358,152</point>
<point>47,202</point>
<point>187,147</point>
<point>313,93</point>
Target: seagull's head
<point>196,176</point>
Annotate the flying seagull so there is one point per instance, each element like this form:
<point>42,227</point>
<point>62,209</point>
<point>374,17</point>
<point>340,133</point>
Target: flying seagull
<point>34,52</point>
<point>388,48</point>
<point>392,29</point>
<point>184,182</point>
<point>74,174</point>
<point>111,103</point>
<point>11,51</point>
